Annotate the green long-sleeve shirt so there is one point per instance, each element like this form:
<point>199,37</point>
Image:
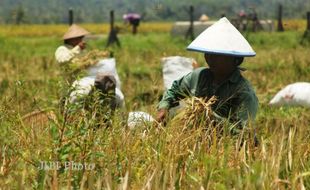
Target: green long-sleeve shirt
<point>236,97</point>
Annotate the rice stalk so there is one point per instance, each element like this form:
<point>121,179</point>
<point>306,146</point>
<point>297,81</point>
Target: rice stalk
<point>86,60</point>
<point>198,112</point>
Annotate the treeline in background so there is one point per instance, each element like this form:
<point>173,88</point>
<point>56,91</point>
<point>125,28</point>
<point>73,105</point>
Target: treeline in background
<point>95,11</point>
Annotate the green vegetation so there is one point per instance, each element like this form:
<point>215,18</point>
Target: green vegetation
<point>148,157</point>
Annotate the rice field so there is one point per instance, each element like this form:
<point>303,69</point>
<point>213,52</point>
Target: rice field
<point>150,156</point>
<point>59,29</point>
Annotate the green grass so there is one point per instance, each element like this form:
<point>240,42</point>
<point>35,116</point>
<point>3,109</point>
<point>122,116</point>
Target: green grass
<point>149,157</point>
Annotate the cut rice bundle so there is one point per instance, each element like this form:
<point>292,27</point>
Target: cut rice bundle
<point>197,112</point>
<point>88,59</point>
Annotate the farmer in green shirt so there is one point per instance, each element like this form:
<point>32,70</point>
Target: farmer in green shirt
<point>224,49</point>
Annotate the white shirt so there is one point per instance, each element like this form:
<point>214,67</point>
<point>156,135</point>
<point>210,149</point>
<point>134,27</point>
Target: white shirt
<point>83,86</point>
<point>65,53</point>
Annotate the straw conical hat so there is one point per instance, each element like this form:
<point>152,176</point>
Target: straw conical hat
<point>75,31</point>
<point>203,18</point>
<point>222,38</point>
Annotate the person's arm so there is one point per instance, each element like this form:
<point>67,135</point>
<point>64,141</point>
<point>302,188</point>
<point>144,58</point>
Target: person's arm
<point>179,90</point>
<point>63,54</point>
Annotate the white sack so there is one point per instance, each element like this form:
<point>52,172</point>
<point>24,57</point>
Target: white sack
<point>83,86</point>
<point>105,65</point>
<point>294,94</point>
<point>138,118</point>
<point>119,98</point>
<point>174,68</point>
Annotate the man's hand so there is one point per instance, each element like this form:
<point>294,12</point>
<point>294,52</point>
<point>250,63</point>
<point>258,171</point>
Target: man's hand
<point>82,45</point>
<point>161,115</point>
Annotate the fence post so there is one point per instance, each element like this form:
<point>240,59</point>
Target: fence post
<point>308,21</point>
<point>306,37</point>
<point>70,16</point>
<point>190,31</point>
<point>111,20</point>
<point>113,32</point>
<point>280,24</point>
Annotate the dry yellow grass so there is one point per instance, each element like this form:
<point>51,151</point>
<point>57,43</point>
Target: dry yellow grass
<point>103,28</point>
<point>294,24</point>
<point>148,157</point>
<point>60,29</point>
<point>39,118</point>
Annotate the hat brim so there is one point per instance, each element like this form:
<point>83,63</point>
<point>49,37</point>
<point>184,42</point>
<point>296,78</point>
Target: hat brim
<point>221,52</point>
<point>75,36</point>
<point>75,31</point>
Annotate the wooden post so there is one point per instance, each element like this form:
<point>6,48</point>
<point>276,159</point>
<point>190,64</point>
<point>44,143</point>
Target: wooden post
<point>111,20</point>
<point>280,24</point>
<point>70,16</point>
<point>190,31</point>
<point>113,32</point>
<point>308,21</point>
<point>306,36</point>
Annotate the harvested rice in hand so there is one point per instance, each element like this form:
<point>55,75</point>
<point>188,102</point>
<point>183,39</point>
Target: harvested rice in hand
<point>197,112</point>
<point>87,60</point>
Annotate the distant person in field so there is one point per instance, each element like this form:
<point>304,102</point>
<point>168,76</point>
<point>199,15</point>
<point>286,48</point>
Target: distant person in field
<point>71,51</point>
<point>97,71</point>
<point>73,56</point>
<point>224,49</point>
<point>134,20</point>
<point>73,44</point>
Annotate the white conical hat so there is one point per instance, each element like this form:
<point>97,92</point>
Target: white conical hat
<point>222,38</point>
<point>75,31</point>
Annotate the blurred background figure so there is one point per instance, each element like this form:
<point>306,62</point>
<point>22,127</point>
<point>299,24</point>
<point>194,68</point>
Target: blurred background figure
<point>204,18</point>
<point>88,73</point>
<point>73,44</point>
<point>134,20</point>
<point>242,20</point>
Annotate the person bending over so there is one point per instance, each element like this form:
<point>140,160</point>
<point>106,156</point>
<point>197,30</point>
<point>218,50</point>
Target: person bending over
<point>224,49</point>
